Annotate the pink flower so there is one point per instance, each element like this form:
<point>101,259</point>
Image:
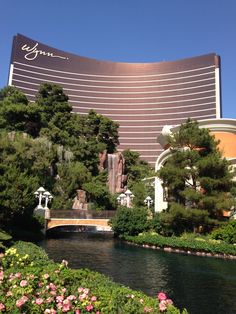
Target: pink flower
<point>86,291</point>
<point>80,289</point>
<point>18,275</point>
<point>49,299</point>
<point>93,299</point>
<point>46,276</point>
<point>60,298</point>
<point>52,292</point>
<point>59,306</point>
<point>169,301</point>
<point>9,293</point>
<point>21,301</point>
<point>63,290</point>
<point>2,307</point>
<point>39,301</point>
<point>66,306</point>
<point>162,306</point>
<point>71,297</point>
<point>82,296</point>
<point>52,286</point>
<point>89,307</point>
<point>77,311</point>
<point>1,275</point>
<point>147,309</point>
<point>23,283</point>
<point>50,311</point>
<point>161,296</point>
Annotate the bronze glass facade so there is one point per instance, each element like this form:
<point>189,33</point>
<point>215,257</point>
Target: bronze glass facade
<point>141,97</point>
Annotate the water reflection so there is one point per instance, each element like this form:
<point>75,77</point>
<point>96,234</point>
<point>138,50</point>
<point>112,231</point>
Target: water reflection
<point>202,285</point>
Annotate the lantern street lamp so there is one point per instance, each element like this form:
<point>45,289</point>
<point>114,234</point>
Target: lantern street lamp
<point>48,197</point>
<point>39,194</point>
<point>42,194</point>
<point>148,201</point>
<point>125,199</point>
<point>129,197</point>
<point>121,199</point>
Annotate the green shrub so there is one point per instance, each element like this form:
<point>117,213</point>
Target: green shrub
<point>226,233</point>
<point>129,221</point>
<point>194,245</point>
<point>4,239</point>
<point>179,219</point>
<point>24,254</point>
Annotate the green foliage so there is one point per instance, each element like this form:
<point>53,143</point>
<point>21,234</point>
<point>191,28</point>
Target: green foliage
<point>137,170</point>
<point>226,233</point>
<point>24,166</point>
<point>23,254</point>
<point>51,100</point>
<point>129,221</point>
<point>70,177</point>
<point>103,129</point>
<point>62,157</point>
<point>99,195</point>
<point>195,244</point>
<point>135,167</point>
<point>5,238</point>
<point>17,114</point>
<point>196,176</point>
<point>179,219</point>
<point>155,224</point>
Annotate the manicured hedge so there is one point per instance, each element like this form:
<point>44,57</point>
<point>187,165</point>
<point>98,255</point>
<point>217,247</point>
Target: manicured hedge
<point>195,245</point>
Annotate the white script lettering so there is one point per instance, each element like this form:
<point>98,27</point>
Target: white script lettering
<point>33,53</point>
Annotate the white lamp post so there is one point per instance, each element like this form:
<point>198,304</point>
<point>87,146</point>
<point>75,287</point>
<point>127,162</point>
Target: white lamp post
<point>125,199</point>
<point>42,194</point>
<point>148,201</point>
<point>39,194</point>
<point>128,194</point>
<point>121,199</point>
<point>47,197</point>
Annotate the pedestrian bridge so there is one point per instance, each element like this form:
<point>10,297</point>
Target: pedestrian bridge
<point>84,218</point>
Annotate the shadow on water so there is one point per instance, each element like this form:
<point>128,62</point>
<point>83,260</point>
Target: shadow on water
<point>202,285</point>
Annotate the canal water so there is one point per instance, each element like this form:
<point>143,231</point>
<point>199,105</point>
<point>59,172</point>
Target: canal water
<point>202,285</point>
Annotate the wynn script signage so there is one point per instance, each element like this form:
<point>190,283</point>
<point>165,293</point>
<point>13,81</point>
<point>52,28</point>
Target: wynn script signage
<point>33,52</point>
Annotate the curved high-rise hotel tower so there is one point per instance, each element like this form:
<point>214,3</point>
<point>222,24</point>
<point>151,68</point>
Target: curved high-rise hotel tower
<point>141,97</point>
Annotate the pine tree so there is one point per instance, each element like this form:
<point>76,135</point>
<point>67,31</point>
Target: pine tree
<point>196,175</point>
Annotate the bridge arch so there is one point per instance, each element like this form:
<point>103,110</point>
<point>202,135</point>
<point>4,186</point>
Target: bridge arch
<point>99,224</point>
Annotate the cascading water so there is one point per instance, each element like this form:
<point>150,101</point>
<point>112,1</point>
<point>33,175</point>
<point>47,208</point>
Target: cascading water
<point>112,171</point>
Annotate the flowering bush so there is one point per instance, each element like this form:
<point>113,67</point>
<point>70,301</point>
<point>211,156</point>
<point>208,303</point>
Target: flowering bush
<point>56,289</point>
<point>24,254</point>
<point>44,293</point>
<point>13,259</point>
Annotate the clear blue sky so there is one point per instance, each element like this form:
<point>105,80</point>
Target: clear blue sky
<point>128,31</point>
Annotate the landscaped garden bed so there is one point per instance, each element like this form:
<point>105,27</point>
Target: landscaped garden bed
<point>197,246</point>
